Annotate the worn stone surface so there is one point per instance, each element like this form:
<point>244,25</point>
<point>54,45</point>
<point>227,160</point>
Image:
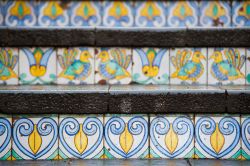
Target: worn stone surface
<point>238,102</point>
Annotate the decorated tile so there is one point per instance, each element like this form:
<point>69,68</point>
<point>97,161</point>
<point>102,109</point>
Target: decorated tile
<point>217,136</point>
<point>171,136</point>
<point>53,13</point>
<point>20,13</point>
<point>215,14</point>
<point>118,14</point>
<point>245,136</point>
<point>8,66</point>
<point>5,137</point>
<point>188,66</point>
<point>81,136</point>
<point>113,65</point>
<point>75,65</point>
<point>1,14</point>
<point>241,13</point>
<point>126,136</point>
<point>248,66</point>
<point>182,14</point>
<point>226,66</point>
<point>38,65</point>
<point>85,13</point>
<point>35,137</point>
<point>150,14</point>
<point>150,66</point>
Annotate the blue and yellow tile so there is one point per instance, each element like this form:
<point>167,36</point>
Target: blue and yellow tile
<point>150,66</point>
<point>75,65</point>
<point>126,136</point>
<point>215,13</point>
<point>150,14</point>
<point>183,14</point>
<point>1,14</point>
<point>8,66</point>
<point>217,136</point>
<point>245,136</point>
<point>171,136</point>
<point>241,13</point>
<point>5,137</point>
<point>81,136</point>
<point>38,65</point>
<point>35,137</point>
<point>113,65</point>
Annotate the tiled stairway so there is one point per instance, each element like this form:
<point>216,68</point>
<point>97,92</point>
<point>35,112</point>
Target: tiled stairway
<point>77,79</point>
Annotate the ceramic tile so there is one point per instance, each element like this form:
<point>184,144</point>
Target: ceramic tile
<point>171,136</point>
<point>1,14</point>
<point>75,65</point>
<point>126,136</point>
<point>20,13</point>
<point>217,136</point>
<point>53,13</point>
<point>85,13</point>
<point>150,14</point>
<point>38,65</point>
<point>8,66</point>
<point>150,66</point>
<point>81,136</point>
<point>5,137</point>
<point>182,14</point>
<point>35,137</point>
<point>240,13</point>
<point>215,13</point>
<point>245,135</point>
<point>226,66</point>
<point>248,66</point>
<point>113,65</point>
<point>118,14</point>
<point>188,66</point>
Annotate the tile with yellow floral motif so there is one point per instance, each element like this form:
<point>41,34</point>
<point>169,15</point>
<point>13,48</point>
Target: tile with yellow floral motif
<point>118,14</point>
<point>241,13</point>
<point>75,65</point>
<point>53,13</point>
<point>38,65</point>
<point>150,14</point>
<point>5,137</point>
<point>226,66</point>
<point>126,136</point>
<point>217,136</point>
<point>188,66</point>
<point>8,66</point>
<point>113,65</point>
<point>215,13</point>
<point>81,136</point>
<point>168,139</point>
<point>35,137</point>
<point>182,14</point>
<point>245,136</point>
<point>20,13</point>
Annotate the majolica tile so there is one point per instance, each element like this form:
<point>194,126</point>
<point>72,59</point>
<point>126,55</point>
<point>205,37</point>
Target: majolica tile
<point>20,13</point>
<point>35,137</point>
<point>126,136</point>
<point>118,14</point>
<point>245,136</point>
<point>85,13</point>
<point>75,65</point>
<point>8,66</point>
<point>241,13</point>
<point>38,65</point>
<point>215,13</point>
<point>113,65</point>
<point>81,136</point>
<point>217,136</point>
<point>171,136</point>
<point>226,66</point>
<point>53,13</point>
<point>188,66</point>
<point>182,14</point>
<point>150,66</point>
<point>150,14</point>
<point>248,66</point>
<point>5,137</point>
<point>1,14</point>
